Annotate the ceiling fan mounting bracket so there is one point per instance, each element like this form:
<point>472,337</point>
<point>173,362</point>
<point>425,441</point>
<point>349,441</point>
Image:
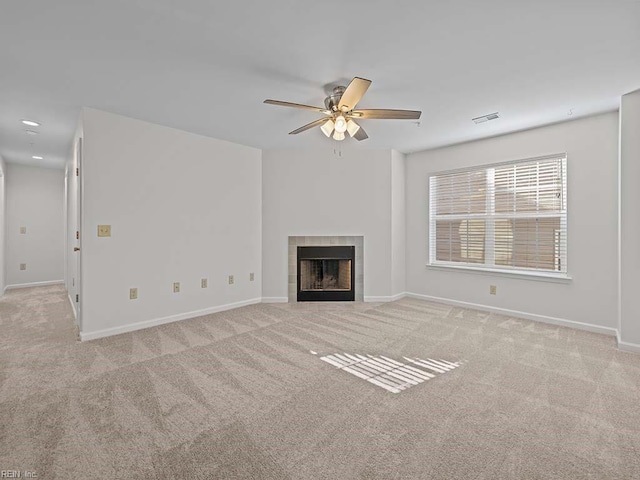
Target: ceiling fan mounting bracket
<point>332,101</point>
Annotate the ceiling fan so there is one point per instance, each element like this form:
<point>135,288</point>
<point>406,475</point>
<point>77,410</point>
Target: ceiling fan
<point>340,115</point>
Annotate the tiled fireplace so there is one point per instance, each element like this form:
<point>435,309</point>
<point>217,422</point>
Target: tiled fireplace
<point>325,275</point>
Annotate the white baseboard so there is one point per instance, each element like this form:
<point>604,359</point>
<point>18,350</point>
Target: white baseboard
<point>33,284</point>
<point>629,347</point>
<point>391,298</point>
<point>563,322</point>
<point>275,300</point>
<point>626,346</point>
<point>107,332</point>
<point>398,296</point>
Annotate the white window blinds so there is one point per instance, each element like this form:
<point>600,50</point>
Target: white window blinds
<point>509,216</point>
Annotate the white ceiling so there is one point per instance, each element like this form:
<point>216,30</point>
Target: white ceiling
<point>205,66</point>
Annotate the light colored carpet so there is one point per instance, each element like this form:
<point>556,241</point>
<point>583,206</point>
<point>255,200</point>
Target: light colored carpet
<point>238,395</point>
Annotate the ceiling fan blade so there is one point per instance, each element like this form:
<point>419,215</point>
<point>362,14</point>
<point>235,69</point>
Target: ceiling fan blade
<point>297,105</point>
<point>388,114</point>
<point>354,92</point>
<point>361,134</point>
<point>315,123</point>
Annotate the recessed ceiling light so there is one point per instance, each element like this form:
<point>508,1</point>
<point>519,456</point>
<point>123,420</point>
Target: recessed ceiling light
<point>31,123</point>
<point>31,132</point>
<point>37,157</point>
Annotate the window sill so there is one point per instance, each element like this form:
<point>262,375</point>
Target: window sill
<point>520,274</point>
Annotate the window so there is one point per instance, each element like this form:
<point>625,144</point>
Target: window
<point>505,217</point>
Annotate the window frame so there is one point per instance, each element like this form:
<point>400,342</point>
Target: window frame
<point>493,269</point>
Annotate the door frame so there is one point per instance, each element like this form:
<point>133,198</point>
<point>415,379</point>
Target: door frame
<point>78,243</point>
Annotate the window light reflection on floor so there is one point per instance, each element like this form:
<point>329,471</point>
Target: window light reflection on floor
<point>392,375</point>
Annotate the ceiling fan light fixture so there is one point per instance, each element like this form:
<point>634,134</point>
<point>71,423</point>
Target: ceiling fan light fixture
<point>341,124</point>
<point>327,128</point>
<point>339,112</point>
<point>352,127</point>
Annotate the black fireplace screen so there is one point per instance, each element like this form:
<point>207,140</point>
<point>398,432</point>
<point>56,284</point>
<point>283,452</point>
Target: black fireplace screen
<point>326,273</point>
<point>323,275</point>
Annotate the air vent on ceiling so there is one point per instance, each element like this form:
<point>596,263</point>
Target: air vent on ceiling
<point>486,118</point>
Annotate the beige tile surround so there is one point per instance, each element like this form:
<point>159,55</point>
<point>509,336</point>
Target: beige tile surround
<point>325,241</point>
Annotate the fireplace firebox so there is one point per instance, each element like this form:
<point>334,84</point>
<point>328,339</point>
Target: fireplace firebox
<point>326,274</point>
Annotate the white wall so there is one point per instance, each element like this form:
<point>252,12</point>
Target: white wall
<point>398,223</point>
<point>3,214</point>
<point>629,308</point>
<point>181,207</point>
<point>35,200</point>
<point>591,145</point>
<point>315,192</point>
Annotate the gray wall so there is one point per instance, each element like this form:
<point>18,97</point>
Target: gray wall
<point>35,200</point>
<point>590,297</point>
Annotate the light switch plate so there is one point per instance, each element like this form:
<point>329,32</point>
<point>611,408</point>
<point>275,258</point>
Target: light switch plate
<point>23,266</point>
<point>204,283</point>
<point>176,287</point>
<point>104,230</point>
<point>252,277</point>
<point>23,230</point>
<point>133,293</point>
<point>492,289</point>
<point>231,280</point>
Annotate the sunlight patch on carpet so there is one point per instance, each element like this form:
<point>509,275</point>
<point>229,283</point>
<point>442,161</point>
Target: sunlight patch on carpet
<point>392,375</point>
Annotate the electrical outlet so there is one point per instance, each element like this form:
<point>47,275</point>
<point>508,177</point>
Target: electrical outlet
<point>204,283</point>
<point>104,230</point>
<point>252,277</point>
<point>23,266</point>
<point>176,287</point>
<point>133,293</point>
<point>493,289</point>
<point>23,230</point>
<point>231,280</point>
